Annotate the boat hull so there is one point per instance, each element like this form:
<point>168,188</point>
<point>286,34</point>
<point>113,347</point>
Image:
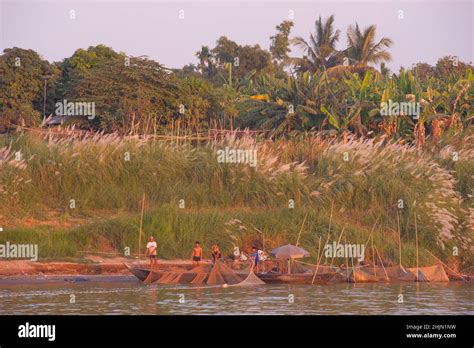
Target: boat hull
<point>143,273</point>
<point>305,278</point>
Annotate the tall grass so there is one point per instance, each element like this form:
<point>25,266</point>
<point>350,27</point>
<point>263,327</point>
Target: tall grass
<point>109,172</point>
<point>365,179</point>
<point>176,230</point>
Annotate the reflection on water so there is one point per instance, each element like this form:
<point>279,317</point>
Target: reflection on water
<point>136,298</point>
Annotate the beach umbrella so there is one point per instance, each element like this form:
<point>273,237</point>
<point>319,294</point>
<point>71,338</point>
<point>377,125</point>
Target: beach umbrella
<point>289,251</point>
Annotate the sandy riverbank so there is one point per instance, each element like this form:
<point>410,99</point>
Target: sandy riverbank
<point>90,265</point>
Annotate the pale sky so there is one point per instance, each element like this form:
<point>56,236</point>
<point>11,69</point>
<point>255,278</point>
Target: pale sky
<point>428,30</point>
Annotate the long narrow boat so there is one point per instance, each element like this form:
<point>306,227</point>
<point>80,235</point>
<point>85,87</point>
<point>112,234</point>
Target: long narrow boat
<point>166,275</point>
<point>140,272</point>
<point>302,278</point>
<point>188,276</point>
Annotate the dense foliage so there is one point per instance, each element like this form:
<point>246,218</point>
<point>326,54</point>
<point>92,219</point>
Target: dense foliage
<point>317,107</point>
<point>244,86</point>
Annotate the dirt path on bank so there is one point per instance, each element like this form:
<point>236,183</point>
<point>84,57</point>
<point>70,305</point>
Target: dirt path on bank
<point>92,265</point>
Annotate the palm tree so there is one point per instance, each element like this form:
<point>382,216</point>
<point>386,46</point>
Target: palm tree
<point>362,49</point>
<point>205,59</point>
<point>320,51</point>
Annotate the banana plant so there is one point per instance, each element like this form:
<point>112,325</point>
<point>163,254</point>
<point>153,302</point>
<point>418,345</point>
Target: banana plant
<point>287,106</point>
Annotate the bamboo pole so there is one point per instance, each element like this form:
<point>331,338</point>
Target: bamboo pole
<point>373,256</point>
<point>353,270</point>
<point>141,226</point>
<point>383,267</point>
<point>319,252</point>
<point>319,261</point>
<point>445,265</point>
<point>399,240</point>
<point>416,241</point>
<point>371,232</point>
<point>342,231</point>
<point>330,216</point>
<point>347,263</point>
<point>319,247</point>
<point>301,229</point>
<point>329,229</point>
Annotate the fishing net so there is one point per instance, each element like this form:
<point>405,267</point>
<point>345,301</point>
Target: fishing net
<point>201,269</point>
<point>200,278</point>
<point>398,273</point>
<point>219,274</point>
<point>304,266</point>
<point>431,273</point>
<point>251,279</point>
<point>337,277</point>
<point>152,277</point>
<point>361,276</point>
<point>222,274</point>
<point>201,274</point>
<point>297,268</point>
<point>393,272</point>
<point>452,275</point>
<point>170,278</point>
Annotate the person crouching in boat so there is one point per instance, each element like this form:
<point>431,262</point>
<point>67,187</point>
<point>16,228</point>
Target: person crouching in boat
<point>151,248</point>
<point>197,254</point>
<point>216,254</point>
<point>256,258</point>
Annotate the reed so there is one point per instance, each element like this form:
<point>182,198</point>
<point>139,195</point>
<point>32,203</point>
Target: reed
<point>37,189</point>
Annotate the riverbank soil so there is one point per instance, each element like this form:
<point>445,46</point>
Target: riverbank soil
<point>90,265</point>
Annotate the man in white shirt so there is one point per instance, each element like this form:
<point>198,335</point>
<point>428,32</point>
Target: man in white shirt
<point>151,251</point>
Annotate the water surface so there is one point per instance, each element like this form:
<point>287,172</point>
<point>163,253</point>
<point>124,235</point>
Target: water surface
<point>132,297</point>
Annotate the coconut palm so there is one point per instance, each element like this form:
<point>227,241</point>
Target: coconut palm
<point>362,49</point>
<point>319,51</point>
<point>205,60</point>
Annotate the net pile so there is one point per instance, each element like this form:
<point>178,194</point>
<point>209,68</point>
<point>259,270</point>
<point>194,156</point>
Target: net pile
<point>251,279</point>
<point>222,274</point>
<point>202,274</point>
<point>219,274</point>
<point>362,276</point>
<point>431,273</point>
<point>170,278</point>
<point>434,273</point>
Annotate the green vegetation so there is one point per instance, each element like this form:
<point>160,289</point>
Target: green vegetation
<point>322,139</point>
<point>176,230</point>
<point>235,86</point>
<point>309,169</point>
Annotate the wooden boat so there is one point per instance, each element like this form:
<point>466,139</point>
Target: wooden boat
<point>166,276</point>
<point>188,276</point>
<point>301,278</point>
<point>139,272</point>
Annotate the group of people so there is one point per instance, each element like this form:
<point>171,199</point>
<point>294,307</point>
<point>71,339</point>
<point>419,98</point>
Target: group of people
<point>197,254</point>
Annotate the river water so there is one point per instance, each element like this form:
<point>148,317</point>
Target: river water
<point>131,297</point>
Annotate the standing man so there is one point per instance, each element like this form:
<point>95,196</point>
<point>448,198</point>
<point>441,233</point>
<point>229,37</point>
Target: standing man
<point>256,258</point>
<point>151,251</point>
<point>197,254</point>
